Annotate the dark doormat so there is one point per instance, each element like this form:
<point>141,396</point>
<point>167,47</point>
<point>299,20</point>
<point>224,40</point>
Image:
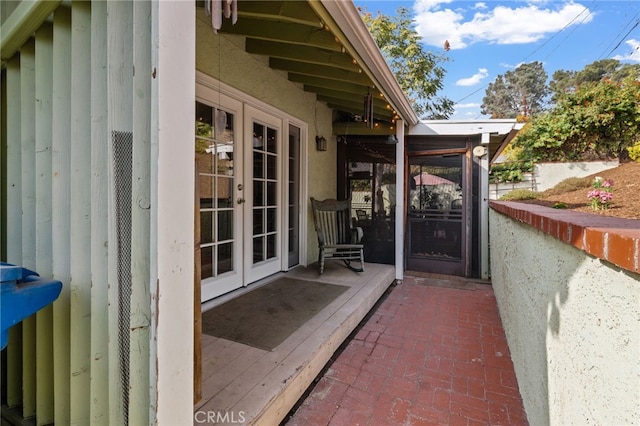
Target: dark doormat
<point>265,317</point>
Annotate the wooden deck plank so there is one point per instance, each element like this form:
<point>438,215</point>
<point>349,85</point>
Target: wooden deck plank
<point>265,386</point>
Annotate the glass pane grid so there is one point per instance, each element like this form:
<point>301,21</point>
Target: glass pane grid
<point>214,144</point>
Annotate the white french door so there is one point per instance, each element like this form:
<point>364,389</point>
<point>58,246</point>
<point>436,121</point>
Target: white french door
<point>263,194</point>
<point>248,188</point>
<point>219,164</point>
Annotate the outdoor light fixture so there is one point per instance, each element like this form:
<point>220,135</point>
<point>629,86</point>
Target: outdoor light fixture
<point>321,143</point>
<point>392,140</point>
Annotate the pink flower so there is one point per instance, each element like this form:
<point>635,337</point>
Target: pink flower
<point>593,193</point>
<point>607,183</point>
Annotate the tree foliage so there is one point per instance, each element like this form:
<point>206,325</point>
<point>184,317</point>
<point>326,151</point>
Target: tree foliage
<point>564,81</point>
<point>522,91</point>
<point>597,120</point>
<point>419,72</point>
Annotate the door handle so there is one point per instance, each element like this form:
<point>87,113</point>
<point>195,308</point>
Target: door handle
<point>240,200</point>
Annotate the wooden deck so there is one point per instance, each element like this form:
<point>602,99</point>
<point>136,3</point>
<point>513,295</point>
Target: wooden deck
<point>243,384</point>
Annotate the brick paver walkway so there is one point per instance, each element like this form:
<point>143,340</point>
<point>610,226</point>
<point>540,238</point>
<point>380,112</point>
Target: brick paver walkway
<point>427,355</point>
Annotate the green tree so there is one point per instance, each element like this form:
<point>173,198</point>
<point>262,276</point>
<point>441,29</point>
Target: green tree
<point>419,72</point>
<point>598,120</point>
<point>564,81</point>
<point>522,91</point>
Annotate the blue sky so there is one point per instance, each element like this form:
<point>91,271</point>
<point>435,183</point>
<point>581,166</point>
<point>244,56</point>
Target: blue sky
<point>489,38</point>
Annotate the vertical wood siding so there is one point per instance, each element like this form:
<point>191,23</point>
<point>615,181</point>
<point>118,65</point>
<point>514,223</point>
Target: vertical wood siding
<point>68,89</point>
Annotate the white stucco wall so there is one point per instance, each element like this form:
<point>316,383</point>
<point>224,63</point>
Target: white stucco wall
<point>223,57</point>
<point>573,327</point>
<point>549,175</point>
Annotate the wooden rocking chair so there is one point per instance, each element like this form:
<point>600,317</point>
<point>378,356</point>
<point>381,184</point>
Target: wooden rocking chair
<point>337,238</point>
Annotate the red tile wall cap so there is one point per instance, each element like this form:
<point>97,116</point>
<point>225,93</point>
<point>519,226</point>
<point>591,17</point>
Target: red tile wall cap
<point>613,239</point>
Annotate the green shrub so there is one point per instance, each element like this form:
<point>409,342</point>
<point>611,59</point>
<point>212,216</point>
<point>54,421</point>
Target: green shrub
<point>519,194</point>
<point>511,171</point>
<point>634,152</point>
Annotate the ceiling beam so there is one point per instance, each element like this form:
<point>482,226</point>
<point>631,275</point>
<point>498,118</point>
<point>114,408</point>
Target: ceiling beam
<point>355,106</point>
<point>327,83</point>
<point>283,11</point>
<point>308,54</point>
<point>361,129</point>
<point>322,71</point>
<point>337,94</point>
<point>284,32</point>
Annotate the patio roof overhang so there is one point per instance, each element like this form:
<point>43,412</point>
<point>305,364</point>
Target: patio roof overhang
<point>500,131</point>
<point>324,46</point>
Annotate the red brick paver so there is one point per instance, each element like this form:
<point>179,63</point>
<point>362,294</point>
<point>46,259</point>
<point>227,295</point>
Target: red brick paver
<point>426,356</point>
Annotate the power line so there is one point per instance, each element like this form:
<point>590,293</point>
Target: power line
<point>563,28</point>
<point>565,39</point>
<point>625,36</point>
<point>543,44</point>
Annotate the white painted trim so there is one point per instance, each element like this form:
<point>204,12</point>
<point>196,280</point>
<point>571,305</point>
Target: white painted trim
<point>13,187</point>
<point>99,334</point>
<point>400,201</point>
<point>28,206</point>
<point>464,127</point>
<point>483,162</point>
<point>61,210</point>
<point>14,216</point>
<point>140,314</point>
<point>176,84</point>
<point>81,194</point>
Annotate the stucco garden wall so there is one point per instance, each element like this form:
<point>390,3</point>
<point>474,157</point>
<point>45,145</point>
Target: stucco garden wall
<point>572,320</point>
<point>548,175</point>
<point>252,75</point>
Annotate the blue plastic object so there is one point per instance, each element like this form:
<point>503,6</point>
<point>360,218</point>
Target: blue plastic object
<point>22,294</point>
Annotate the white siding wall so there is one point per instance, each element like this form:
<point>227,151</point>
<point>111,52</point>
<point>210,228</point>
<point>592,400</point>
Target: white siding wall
<point>89,73</point>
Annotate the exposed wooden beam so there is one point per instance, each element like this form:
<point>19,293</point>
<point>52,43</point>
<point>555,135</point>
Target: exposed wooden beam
<point>342,86</point>
<point>25,19</point>
<point>359,128</point>
<point>284,32</point>
<point>356,104</point>
<point>377,101</point>
<point>322,71</point>
<point>308,54</point>
<point>283,11</point>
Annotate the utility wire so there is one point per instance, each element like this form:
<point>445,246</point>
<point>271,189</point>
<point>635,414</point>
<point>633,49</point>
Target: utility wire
<point>617,35</point>
<point>586,9</point>
<point>623,37</point>
<point>566,37</point>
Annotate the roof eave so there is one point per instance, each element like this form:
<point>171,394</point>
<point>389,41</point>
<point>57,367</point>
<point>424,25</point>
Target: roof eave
<point>358,41</point>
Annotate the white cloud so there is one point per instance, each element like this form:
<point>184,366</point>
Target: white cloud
<point>467,105</point>
<point>480,5</point>
<point>474,79</point>
<point>634,55</point>
<point>500,25</point>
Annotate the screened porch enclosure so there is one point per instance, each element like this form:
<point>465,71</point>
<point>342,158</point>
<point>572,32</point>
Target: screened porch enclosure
<point>370,181</point>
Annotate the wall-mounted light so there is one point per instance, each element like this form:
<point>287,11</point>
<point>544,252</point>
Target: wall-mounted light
<point>392,140</point>
<point>321,143</point>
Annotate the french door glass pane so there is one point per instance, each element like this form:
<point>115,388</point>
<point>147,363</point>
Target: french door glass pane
<point>265,180</point>
<point>215,165</point>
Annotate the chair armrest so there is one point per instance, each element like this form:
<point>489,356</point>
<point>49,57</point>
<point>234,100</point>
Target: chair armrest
<point>356,235</point>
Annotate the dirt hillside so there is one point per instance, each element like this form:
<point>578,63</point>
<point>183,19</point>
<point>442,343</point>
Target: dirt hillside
<point>626,193</point>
